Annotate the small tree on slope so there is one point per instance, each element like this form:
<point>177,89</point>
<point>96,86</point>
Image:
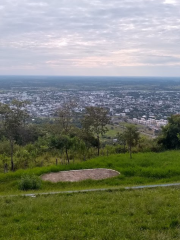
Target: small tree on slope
<point>131,135</point>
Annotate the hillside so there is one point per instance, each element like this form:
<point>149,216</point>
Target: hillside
<point>144,168</point>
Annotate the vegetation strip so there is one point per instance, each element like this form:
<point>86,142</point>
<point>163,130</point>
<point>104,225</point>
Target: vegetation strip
<point>94,190</point>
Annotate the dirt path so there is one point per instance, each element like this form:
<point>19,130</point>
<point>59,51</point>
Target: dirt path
<point>95,190</point>
<point>80,175</point>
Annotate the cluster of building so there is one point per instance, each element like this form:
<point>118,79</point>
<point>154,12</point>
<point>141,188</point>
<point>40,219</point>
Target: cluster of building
<point>150,108</point>
<point>151,122</point>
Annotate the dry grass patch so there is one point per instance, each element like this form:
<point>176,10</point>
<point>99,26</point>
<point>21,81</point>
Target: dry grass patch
<point>80,175</point>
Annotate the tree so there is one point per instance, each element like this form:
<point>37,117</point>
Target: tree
<point>131,135</point>
<point>94,122</point>
<point>63,142</point>
<point>65,116</point>
<point>63,131</point>
<point>28,134</point>
<point>13,120</point>
<point>121,140</point>
<point>169,135</point>
<point>88,139</point>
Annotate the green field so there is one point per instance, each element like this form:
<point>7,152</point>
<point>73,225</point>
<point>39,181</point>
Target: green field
<point>114,129</point>
<point>114,214</point>
<point>122,215</point>
<point>144,168</point>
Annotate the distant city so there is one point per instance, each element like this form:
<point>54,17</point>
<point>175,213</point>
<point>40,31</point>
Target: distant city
<point>127,99</point>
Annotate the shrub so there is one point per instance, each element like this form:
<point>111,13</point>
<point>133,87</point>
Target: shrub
<point>29,182</point>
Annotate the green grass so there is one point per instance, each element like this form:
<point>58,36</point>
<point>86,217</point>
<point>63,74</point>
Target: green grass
<point>113,130</point>
<point>152,214</point>
<point>144,168</point>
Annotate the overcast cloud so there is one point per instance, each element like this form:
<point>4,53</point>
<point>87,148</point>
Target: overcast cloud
<point>83,37</point>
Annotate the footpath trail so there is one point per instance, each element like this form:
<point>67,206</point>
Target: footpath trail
<point>94,190</point>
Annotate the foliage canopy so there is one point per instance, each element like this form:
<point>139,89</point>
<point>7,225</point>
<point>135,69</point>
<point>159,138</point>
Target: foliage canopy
<point>169,137</point>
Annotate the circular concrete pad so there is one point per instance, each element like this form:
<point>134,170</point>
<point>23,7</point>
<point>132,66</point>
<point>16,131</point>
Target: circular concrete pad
<point>80,175</point>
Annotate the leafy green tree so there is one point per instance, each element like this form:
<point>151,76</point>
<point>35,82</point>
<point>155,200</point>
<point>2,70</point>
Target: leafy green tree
<point>63,131</point>
<point>62,142</point>
<point>28,134</point>
<point>95,122</point>
<point>13,118</point>
<point>121,140</point>
<point>131,135</point>
<point>88,139</point>
<point>169,136</point>
<point>64,118</point>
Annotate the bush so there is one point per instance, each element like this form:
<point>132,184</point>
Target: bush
<point>29,182</point>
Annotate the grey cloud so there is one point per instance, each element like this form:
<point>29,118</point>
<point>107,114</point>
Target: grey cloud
<point>160,60</point>
<point>61,30</point>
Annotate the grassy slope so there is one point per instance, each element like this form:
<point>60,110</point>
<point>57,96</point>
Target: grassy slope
<point>144,168</point>
<point>120,128</point>
<point>126,215</point>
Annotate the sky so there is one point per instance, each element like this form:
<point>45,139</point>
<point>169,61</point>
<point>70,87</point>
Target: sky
<point>90,37</point>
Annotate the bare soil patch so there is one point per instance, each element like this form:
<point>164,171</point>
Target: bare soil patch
<point>80,175</point>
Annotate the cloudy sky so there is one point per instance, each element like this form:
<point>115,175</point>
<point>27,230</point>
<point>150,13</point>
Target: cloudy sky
<point>90,37</point>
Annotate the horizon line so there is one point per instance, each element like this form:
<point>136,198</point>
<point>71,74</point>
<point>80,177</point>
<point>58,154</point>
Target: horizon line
<point>97,76</point>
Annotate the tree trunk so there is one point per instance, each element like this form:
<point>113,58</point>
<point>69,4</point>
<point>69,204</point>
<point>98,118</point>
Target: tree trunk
<point>124,148</point>
<point>5,168</point>
<point>67,155</point>
<point>98,144</point>
<point>130,152</point>
<point>12,152</point>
